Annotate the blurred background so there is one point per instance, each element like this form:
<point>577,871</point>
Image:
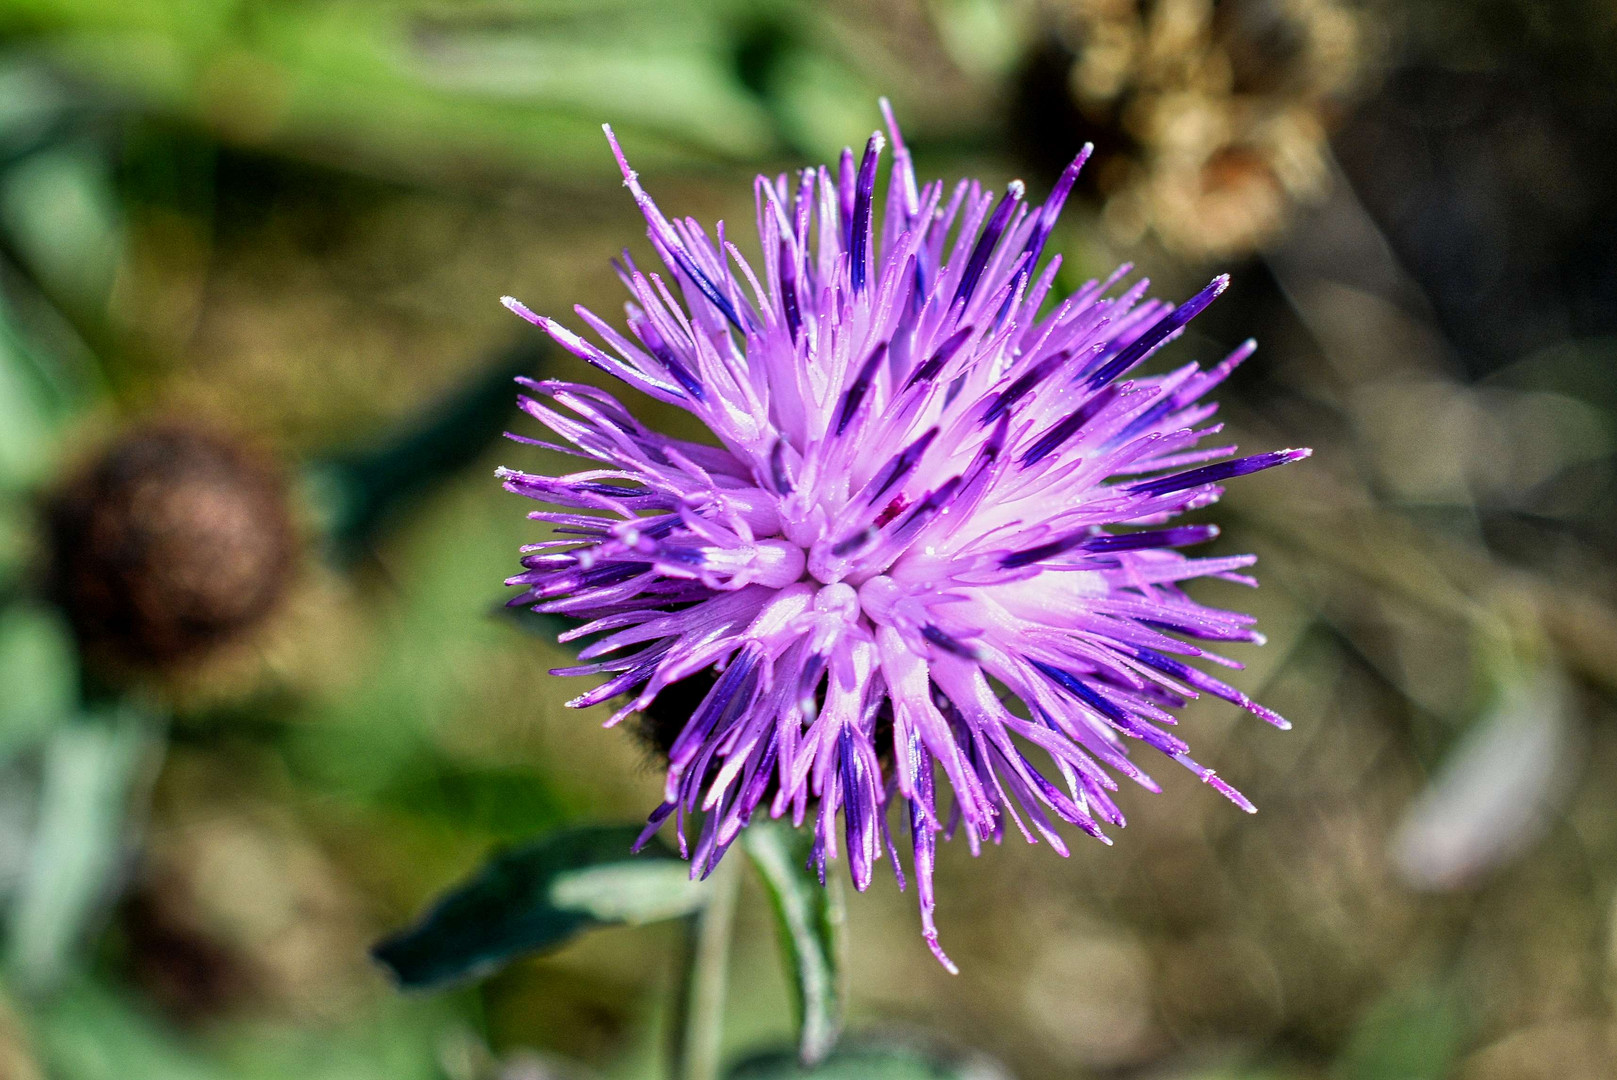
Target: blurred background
<point>258,703</point>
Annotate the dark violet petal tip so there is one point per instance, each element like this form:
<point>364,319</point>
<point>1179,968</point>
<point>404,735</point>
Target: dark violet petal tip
<point>844,548</point>
<point>668,240</point>
<point>1159,332</point>
<point>940,356</point>
<point>778,474</point>
<point>948,643</point>
<point>864,194</point>
<point>860,387</point>
<point>1153,538</point>
<point>1224,470</point>
<point>901,465</point>
<point>988,241</point>
<point>790,306</point>
<point>1136,541</point>
<point>1068,427</point>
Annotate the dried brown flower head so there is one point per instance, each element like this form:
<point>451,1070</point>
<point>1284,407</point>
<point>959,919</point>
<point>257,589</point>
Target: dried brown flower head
<point>172,541</point>
<point>1216,114</point>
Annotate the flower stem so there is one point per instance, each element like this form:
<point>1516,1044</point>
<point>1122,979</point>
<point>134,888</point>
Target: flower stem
<point>697,1029</point>
<point>809,919</point>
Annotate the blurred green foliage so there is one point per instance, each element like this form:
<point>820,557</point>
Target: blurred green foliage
<point>424,89</point>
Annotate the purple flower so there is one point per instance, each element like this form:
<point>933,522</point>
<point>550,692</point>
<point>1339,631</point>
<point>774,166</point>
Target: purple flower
<point>934,535</point>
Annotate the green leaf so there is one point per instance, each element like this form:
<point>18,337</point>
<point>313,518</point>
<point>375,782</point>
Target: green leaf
<point>394,1038</point>
<point>809,917</point>
<point>633,893</point>
<point>537,898</point>
<point>38,675</point>
<point>15,544</point>
<point>31,106</point>
<point>1414,1033</point>
<point>92,766</point>
<point>26,435</point>
<point>40,390</point>
<point>90,1034</point>
<point>61,213</point>
<point>870,1062</point>
<point>362,490</point>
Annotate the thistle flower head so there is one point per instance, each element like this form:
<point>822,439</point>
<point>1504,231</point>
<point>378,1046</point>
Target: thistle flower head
<point>933,544</point>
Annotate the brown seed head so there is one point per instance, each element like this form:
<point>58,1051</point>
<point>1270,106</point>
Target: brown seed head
<point>172,541</point>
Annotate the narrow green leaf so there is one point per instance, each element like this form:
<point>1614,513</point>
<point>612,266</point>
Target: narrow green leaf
<point>26,435</point>
<point>360,491</point>
<point>38,675</point>
<point>1414,1033</point>
<point>872,1061</point>
<point>809,918</point>
<point>31,107</point>
<point>40,388</point>
<point>16,543</point>
<point>90,1034</point>
<point>92,769</point>
<point>539,897</point>
<point>62,216</point>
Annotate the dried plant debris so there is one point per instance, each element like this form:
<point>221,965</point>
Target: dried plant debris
<point>1210,119</point>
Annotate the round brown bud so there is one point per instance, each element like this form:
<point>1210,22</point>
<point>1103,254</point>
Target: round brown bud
<point>172,541</point>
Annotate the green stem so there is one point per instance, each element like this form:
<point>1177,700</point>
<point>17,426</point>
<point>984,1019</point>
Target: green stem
<point>809,919</point>
<point>698,1022</point>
